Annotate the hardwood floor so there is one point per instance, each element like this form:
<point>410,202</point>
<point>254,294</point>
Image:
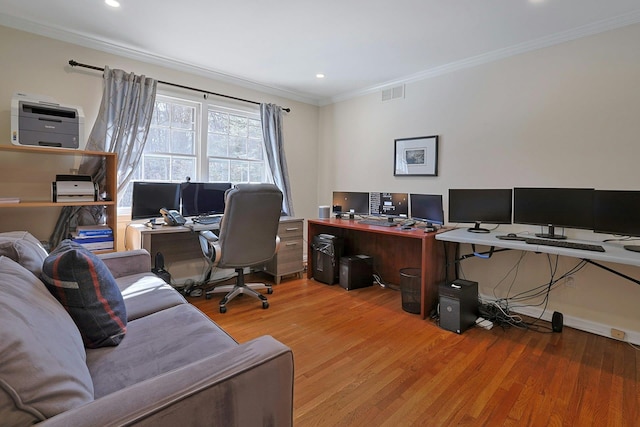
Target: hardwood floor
<point>360,360</point>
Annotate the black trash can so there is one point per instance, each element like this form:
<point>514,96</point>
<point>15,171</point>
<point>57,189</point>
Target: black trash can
<point>410,289</point>
<point>327,250</point>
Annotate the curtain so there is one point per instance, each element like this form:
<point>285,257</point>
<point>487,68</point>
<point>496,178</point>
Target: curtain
<point>271,117</point>
<point>121,127</point>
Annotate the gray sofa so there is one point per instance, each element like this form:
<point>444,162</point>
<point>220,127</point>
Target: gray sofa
<point>174,366</point>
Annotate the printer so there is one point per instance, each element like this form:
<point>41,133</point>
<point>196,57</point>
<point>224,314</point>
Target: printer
<point>41,121</point>
<point>74,188</point>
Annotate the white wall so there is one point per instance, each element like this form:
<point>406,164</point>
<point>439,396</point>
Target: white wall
<point>567,115</point>
<point>38,65</point>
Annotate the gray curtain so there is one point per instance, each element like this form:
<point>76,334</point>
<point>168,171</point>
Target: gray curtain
<point>271,116</point>
<point>121,127</point>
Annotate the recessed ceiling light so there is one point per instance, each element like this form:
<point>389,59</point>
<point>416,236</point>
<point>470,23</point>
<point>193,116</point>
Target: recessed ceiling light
<point>320,76</point>
<point>112,3</point>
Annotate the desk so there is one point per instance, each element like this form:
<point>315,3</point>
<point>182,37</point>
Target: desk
<point>614,253</point>
<point>392,249</point>
<point>181,243</point>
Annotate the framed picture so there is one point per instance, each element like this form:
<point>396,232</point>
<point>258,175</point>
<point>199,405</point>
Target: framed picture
<point>416,156</point>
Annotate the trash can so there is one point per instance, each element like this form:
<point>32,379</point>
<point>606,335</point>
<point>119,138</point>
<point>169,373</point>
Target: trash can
<point>410,289</point>
<point>327,250</point>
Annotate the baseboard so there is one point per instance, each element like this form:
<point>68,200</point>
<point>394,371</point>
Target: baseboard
<point>596,328</point>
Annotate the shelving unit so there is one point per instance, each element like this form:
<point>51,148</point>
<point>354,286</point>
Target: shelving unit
<point>111,185</point>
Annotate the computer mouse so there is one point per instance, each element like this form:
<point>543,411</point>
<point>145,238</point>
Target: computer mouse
<point>405,227</point>
<point>512,235</point>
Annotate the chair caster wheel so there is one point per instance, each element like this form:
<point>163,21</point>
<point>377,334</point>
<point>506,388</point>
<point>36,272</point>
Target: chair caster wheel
<point>265,305</point>
<point>207,296</point>
<point>269,290</point>
<point>223,309</point>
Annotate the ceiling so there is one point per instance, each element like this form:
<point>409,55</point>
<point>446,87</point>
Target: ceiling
<point>279,46</point>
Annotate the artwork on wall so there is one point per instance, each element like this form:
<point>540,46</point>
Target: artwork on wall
<point>416,156</point>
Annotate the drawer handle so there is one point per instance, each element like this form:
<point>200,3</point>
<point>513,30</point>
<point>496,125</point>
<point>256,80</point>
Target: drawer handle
<point>291,244</point>
<point>292,229</point>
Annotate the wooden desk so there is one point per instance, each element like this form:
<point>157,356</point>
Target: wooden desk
<point>392,249</point>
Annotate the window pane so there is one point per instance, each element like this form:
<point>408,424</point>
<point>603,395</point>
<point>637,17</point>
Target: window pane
<point>239,171</point>
<point>254,149</point>
<point>182,142</point>
<point>161,114</point>
<point>218,122</point>
<point>182,116</point>
<point>237,147</point>
<point>125,197</point>
<point>256,172</point>
<point>255,129</point>
<point>217,145</point>
<point>156,168</point>
<point>157,141</point>
<point>238,126</point>
<point>181,168</point>
<point>219,170</point>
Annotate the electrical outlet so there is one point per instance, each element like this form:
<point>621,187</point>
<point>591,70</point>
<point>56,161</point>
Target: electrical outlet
<point>617,334</point>
<point>570,282</point>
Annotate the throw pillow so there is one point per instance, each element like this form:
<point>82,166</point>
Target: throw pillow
<point>24,249</point>
<point>86,288</point>
<point>43,370</point>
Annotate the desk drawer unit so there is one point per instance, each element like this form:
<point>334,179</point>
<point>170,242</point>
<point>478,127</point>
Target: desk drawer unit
<point>288,260</point>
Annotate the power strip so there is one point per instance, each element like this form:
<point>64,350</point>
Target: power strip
<point>484,323</point>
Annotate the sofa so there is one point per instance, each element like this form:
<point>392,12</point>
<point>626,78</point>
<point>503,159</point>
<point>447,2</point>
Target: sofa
<point>171,365</point>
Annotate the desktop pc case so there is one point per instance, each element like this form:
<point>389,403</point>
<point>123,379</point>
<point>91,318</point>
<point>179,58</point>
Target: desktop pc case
<point>458,305</point>
<point>356,271</point>
<point>327,251</point>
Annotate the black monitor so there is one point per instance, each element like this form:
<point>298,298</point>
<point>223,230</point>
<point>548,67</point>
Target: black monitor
<point>203,198</point>
<point>489,206</point>
<point>616,212</point>
<point>149,197</point>
<point>350,202</point>
<point>427,208</point>
<point>389,204</point>
<point>554,207</point>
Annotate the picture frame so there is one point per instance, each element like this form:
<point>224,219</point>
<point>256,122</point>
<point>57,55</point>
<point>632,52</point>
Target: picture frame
<point>416,156</point>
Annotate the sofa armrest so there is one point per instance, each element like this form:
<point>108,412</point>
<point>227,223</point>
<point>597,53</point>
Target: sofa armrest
<point>248,385</point>
<point>126,263</point>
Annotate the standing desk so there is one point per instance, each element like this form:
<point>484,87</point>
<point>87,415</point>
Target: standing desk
<point>614,253</point>
<point>392,249</point>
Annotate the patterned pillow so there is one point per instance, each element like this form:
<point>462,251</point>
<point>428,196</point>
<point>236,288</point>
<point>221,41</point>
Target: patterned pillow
<point>86,288</point>
<point>24,249</point>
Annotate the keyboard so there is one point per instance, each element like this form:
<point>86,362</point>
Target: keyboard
<point>564,244</point>
<point>207,220</point>
<point>379,223</point>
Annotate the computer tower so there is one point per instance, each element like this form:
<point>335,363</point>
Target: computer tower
<point>327,250</point>
<point>356,271</point>
<point>458,305</point>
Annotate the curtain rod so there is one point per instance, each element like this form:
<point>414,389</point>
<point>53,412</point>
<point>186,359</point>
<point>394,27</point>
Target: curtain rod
<point>206,92</point>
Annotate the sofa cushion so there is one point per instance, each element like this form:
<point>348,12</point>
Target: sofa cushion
<point>146,293</point>
<point>87,289</point>
<point>43,369</point>
<point>24,249</point>
<point>156,344</point>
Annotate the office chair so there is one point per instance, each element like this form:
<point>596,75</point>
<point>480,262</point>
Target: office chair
<point>248,237</point>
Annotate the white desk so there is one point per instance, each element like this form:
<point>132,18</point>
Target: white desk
<point>614,252</point>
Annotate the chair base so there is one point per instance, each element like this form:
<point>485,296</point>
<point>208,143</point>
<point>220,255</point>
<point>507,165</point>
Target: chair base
<point>240,288</point>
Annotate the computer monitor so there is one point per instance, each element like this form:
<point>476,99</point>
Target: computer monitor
<point>149,197</point>
<point>203,198</point>
<point>489,206</point>
<point>554,207</point>
<point>616,212</point>
<point>389,204</point>
<point>350,202</point>
<point>427,208</point>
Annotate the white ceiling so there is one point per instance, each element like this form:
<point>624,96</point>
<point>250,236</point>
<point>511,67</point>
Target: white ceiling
<point>278,46</point>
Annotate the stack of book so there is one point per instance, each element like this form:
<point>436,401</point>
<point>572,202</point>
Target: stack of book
<point>94,237</point>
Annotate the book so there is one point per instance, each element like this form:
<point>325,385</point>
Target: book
<point>93,239</point>
<point>84,231</point>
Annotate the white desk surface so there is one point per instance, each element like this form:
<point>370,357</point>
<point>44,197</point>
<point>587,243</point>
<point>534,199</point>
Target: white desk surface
<point>614,251</point>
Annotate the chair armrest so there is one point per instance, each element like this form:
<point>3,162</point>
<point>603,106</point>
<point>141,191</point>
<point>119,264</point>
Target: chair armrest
<point>243,386</point>
<point>126,263</point>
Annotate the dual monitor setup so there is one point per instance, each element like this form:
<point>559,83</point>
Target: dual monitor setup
<point>602,211</point>
<point>426,208</point>
<point>191,199</point>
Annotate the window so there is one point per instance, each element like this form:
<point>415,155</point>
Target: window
<point>219,145</point>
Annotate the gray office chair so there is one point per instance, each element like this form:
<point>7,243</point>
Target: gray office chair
<point>248,237</point>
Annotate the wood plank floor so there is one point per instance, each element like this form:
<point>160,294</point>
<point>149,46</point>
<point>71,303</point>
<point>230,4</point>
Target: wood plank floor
<point>360,360</point>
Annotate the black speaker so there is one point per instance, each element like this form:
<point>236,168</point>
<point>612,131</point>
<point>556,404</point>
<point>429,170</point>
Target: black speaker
<point>458,305</point>
<point>556,321</point>
<point>356,271</point>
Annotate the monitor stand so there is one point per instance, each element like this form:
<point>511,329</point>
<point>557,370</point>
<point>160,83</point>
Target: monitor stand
<point>477,229</point>
<point>632,248</point>
<point>551,234</point>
